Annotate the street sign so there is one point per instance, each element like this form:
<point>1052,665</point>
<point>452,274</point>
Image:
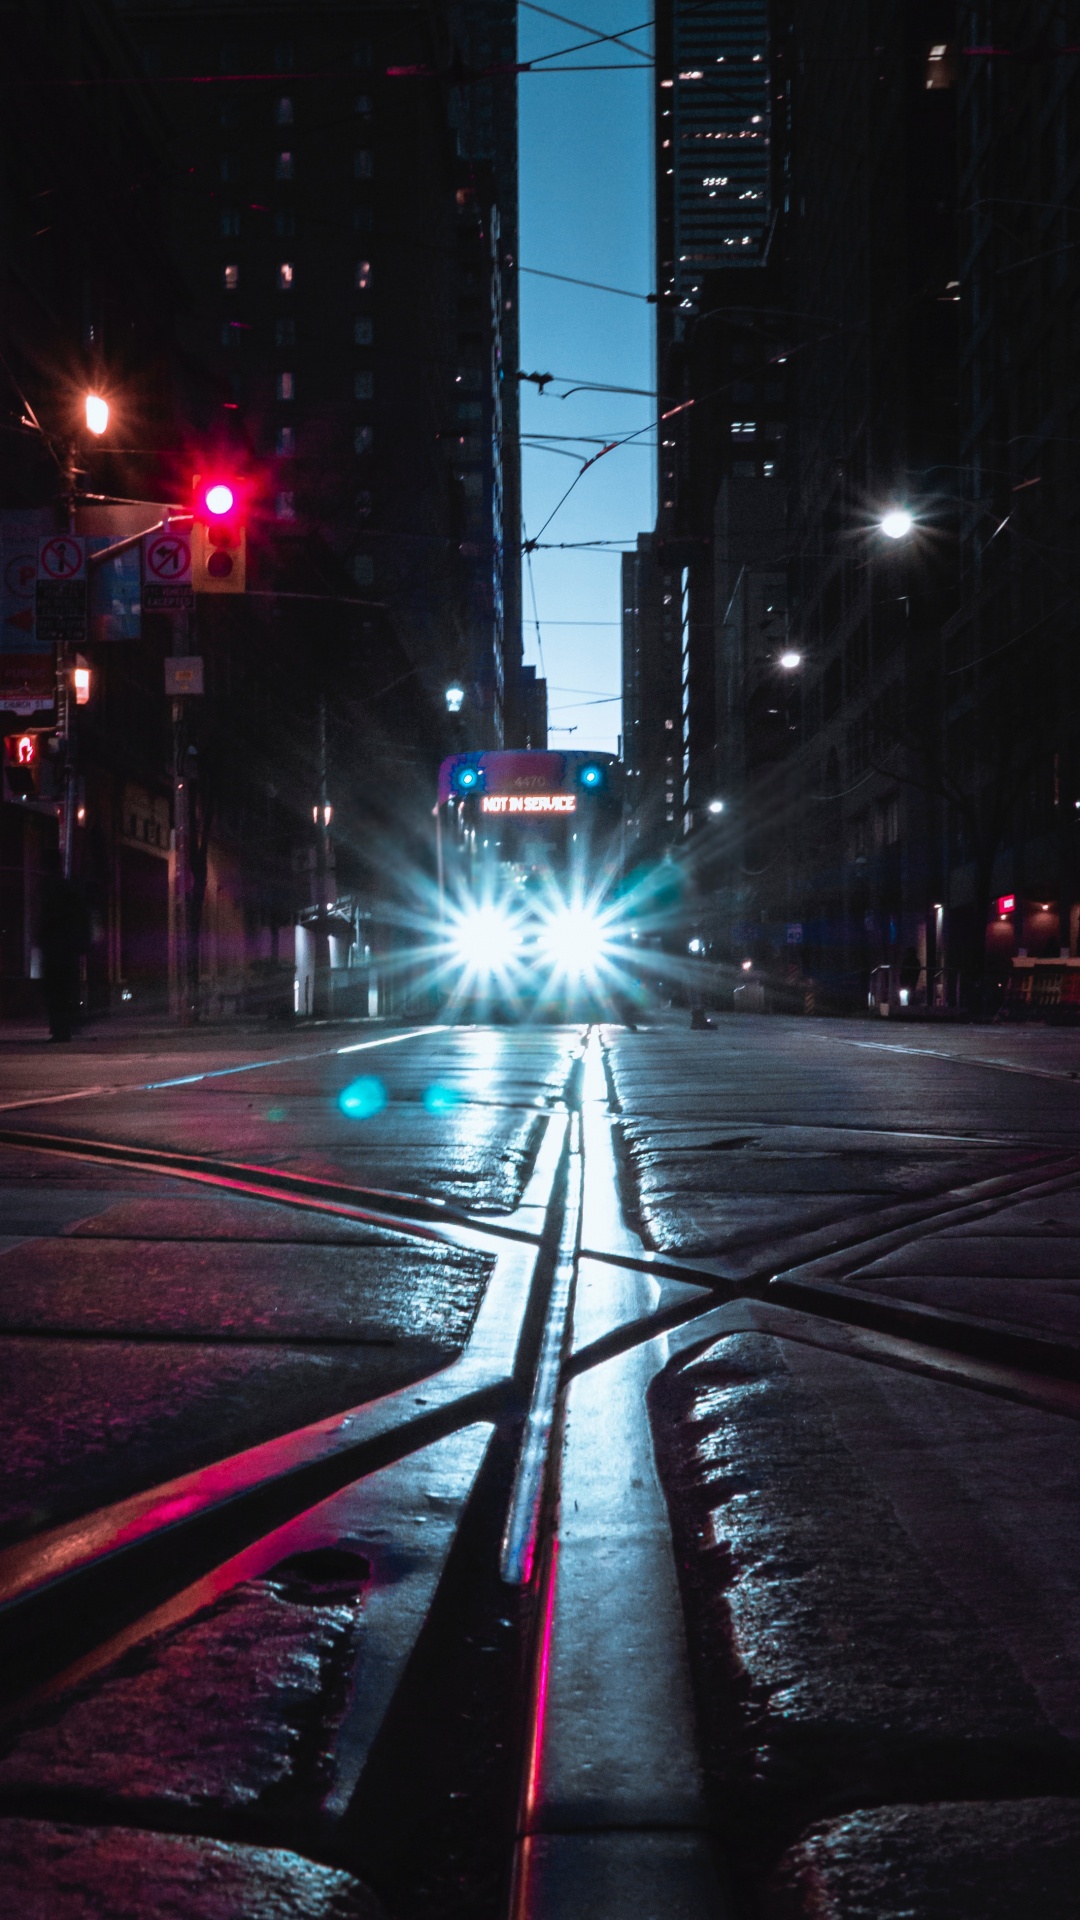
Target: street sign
<point>62,558</point>
<point>167,584</point>
<point>27,672</point>
<point>61,591</point>
<point>183,673</point>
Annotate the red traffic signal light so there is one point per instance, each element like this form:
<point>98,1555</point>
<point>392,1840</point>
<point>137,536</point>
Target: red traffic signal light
<point>219,545</point>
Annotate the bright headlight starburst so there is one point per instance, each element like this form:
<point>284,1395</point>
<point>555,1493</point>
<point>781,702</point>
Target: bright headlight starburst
<point>576,940</point>
<point>485,938</point>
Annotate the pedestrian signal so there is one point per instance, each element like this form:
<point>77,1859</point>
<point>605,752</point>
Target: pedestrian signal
<point>24,765</point>
<point>219,537</point>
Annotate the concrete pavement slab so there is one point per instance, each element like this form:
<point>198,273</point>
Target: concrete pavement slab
<point>52,1871</point>
<point>974,1860</point>
<point>743,1138</point>
<point>91,1421</point>
<point>881,1574</point>
<point>377,1293</point>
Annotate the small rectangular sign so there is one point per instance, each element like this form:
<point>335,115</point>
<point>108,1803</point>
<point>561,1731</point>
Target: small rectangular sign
<point>1006,903</point>
<point>183,673</point>
<point>529,803</point>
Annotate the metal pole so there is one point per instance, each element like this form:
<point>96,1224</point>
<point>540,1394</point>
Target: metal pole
<point>320,998</point>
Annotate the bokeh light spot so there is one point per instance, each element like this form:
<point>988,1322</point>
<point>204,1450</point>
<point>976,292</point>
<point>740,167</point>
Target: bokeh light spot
<point>441,1099</point>
<point>362,1099</point>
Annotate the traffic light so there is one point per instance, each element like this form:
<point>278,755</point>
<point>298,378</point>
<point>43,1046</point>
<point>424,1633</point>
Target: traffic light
<point>28,770</point>
<point>219,539</point>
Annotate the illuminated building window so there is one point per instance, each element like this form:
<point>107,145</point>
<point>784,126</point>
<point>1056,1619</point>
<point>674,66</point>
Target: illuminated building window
<point>285,390</point>
<point>364,386</point>
<point>363,275</point>
<point>231,278</point>
<point>230,223</point>
<point>228,166</point>
<point>285,332</point>
<point>284,112</point>
<point>362,164</point>
<point>285,505</point>
<point>283,167</point>
<point>362,439</point>
<point>285,276</point>
<point>743,429</point>
<point>286,440</point>
<point>363,332</point>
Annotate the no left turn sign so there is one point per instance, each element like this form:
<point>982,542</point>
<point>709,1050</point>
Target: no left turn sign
<point>167,559</point>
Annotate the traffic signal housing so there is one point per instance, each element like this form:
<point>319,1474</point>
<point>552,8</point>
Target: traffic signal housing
<point>219,536</point>
<point>29,768</point>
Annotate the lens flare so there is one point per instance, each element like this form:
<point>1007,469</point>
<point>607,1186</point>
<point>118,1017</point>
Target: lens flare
<point>441,1099</point>
<point>362,1099</point>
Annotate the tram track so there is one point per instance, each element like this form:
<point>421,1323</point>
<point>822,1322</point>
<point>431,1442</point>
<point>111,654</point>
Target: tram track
<point>75,1599</point>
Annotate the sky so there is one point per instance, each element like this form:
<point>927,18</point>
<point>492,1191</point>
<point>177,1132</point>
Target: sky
<point>586,211</point>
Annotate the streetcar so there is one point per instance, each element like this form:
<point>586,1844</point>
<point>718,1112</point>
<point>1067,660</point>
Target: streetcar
<point>529,855</point>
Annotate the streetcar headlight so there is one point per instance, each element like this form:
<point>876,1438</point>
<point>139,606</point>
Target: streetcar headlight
<point>576,940</point>
<point>484,939</point>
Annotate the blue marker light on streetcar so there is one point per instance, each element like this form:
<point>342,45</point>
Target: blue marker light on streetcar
<point>592,776</point>
<point>466,778</point>
<point>362,1099</point>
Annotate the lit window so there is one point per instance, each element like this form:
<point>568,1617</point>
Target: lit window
<point>363,332</point>
<point>364,386</point>
<point>363,275</point>
<point>285,276</point>
<point>228,166</point>
<point>286,440</point>
<point>230,223</point>
<point>363,568</point>
<point>743,429</point>
<point>284,112</point>
<point>285,505</point>
<point>362,164</point>
<point>231,278</point>
<point>362,439</point>
<point>285,386</point>
<point>285,332</point>
<point>768,468</point>
<point>283,167</point>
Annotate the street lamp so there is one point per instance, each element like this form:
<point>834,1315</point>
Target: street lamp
<point>790,660</point>
<point>716,806</point>
<point>897,523</point>
<point>455,699</point>
<point>97,413</point>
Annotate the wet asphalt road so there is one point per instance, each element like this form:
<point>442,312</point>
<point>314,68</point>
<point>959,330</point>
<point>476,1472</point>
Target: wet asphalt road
<point>873,1514</point>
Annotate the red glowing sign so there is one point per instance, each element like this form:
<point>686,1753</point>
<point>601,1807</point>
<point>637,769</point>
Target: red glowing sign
<point>529,803</point>
<point>1006,903</point>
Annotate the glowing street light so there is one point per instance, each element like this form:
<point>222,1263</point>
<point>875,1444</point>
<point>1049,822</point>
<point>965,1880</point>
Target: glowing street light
<point>97,413</point>
<point>790,660</point>
<point>716,806</point>
<point>897,523</point>
<point>455,699</point>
